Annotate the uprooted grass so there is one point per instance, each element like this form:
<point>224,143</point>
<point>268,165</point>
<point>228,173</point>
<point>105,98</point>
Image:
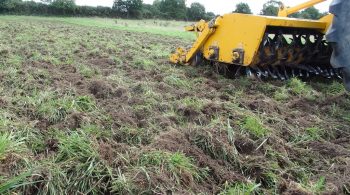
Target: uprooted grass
<point>241,188</point>
<point>9,144</point>
<point>254,126</point>
<point>103,112</point>
<point>180,167</point>
<point>53,107</point>
<point>77,167</point>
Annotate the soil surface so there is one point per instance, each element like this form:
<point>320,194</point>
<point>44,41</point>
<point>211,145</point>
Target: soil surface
<point>131,101</point>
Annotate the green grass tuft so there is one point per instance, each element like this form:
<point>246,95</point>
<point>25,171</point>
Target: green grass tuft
<point>86,71</point>
<point>144,64</point>
<point>84,104</point>
<point>281,94</point>
<point>193,102</point>
<point>319,186</point>
<point>123,185</point>
<point>76,167</point>
<point>315,133</point>
<point>213,147</point>
<point>335,88</point>
<point>297,86</point>
<point>254,126</point>
<point>133,136</point>
<point>176,81</point>
<point>310,134</point>
<point>177,164</point>
<point>14,183</point>
<point>9,144</point>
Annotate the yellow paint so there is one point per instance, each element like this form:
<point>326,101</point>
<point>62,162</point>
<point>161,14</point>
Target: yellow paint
<point>328,19</point>
<point>286,11</point>
<point>241,32</point>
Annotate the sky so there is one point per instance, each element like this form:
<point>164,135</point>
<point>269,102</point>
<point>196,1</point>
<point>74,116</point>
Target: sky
<point>216,6</point>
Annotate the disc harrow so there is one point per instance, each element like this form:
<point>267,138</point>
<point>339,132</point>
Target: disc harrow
<point>283,56</point>
<point>278,47</point>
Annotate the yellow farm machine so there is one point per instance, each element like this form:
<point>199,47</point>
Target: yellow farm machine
<point>274,47</point>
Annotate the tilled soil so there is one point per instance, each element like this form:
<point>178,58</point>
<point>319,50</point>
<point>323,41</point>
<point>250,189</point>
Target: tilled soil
<point>144,104</point>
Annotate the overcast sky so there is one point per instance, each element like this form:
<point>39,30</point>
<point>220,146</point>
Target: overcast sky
<point>216,6</point>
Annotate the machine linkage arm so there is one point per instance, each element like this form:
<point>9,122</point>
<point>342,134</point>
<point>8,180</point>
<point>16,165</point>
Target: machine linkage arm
<point>203,30</point>
<point>285,11</point>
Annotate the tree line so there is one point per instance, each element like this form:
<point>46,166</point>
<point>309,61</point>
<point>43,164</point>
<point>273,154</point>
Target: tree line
<point>136,9</point>
<point>133,9</point>
<point>271,7</point>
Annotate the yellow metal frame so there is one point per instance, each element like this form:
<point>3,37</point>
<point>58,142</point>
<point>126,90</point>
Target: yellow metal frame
<point>203,31</point>
<point>235,38</point>
<point>245,32</point>
<point>286,11</point>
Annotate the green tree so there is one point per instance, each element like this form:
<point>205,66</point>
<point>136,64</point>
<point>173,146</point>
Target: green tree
<point>150,11</point>
<point>242,8</point>
<point>156,4</point>
<point>120,8</point>
<point>64,7</point>
<point>128,8</point>
<point>7,5</point>
<point>47,1</point>
<point>172,9</point>
<point>270,8</point>
<point>196,12</point>
<point>295,15</point>
<point>311,13</point>
<point>209,16</point>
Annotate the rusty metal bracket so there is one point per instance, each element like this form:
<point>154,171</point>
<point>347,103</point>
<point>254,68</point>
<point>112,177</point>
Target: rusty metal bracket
<point>214,53</point>
<point>238,56</point>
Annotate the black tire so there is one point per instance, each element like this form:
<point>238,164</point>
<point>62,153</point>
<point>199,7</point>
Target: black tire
<point>339,37</point>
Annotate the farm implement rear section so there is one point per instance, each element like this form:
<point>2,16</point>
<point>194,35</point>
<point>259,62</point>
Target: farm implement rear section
<point>263,46</point>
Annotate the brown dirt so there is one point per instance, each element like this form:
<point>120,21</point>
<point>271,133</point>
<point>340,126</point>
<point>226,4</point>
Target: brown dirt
<point>188,112</point>
<point>328,149</point>
<point>73,121</point>
<point>263,104</point>
<point>245,145</point>
<point>51,145</point>
<point>108,151</point>
<point>100,89</point>
<point>220,170</point>
<point>292,188</point>
<point>8,164</point>
<point>115,101</point>
<point>42,124</point>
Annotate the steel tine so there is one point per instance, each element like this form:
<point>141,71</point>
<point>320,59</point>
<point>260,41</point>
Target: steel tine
<point>293,72</point>
<point>272,73</point>
<point>279,74</point>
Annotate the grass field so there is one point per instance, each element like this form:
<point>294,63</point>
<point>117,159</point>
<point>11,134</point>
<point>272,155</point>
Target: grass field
<point>92,106</point>
<point>168,28</point>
